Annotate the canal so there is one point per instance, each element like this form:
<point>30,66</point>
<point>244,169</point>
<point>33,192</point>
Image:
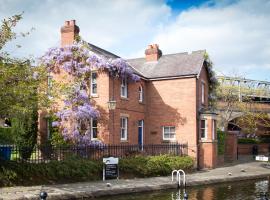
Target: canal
<point>243,190</point>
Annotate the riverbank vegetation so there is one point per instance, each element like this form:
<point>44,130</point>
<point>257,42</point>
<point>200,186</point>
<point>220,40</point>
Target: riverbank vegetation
<point>73,169</point>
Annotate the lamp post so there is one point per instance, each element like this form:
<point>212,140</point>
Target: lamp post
<point>111,107</point>
<point>112,104</point>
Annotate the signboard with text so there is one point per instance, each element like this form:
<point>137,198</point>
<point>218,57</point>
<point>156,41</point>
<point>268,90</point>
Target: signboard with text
<point>110,168</point>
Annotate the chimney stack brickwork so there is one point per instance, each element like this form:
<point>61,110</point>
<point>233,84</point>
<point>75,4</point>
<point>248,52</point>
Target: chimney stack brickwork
<point>153,53</point>
<point>69,32</point>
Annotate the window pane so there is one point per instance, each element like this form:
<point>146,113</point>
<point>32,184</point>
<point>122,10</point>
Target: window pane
<point>202,123</point>
<point>94,123</point>
<point>94,131</point>
<point>172,129</point>
<point>166,129</point>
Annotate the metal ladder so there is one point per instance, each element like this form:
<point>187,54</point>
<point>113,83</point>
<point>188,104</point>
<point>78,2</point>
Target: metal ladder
<point>178,177</point>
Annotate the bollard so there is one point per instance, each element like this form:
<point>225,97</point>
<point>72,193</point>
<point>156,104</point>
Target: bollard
<point>43,195</point>
<point>185,196</point>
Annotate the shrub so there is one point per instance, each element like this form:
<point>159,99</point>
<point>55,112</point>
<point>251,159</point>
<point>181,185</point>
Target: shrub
<point>6,136</point>
<point>248,141</point>
<point>74,169</point>
<point>221,136</point>
<point>162,165</point>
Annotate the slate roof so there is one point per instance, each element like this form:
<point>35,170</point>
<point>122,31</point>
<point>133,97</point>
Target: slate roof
<point>101,51</point>
<point>170,65</point>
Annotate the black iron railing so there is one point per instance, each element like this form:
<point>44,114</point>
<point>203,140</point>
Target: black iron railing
<point>42,153</point>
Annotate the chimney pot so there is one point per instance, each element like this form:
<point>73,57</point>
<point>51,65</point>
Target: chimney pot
<point>69,32</point>
<point>153,53</point>
<point>72,22</point>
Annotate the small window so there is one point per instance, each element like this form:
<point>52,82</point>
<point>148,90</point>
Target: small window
<point>169,133</point>
<point>203,92</point>
<point>140,94</point>
<point>93,82</point>
<point>124,124</point>
<point>94,129</point>
<point>124,90</point>
<point>214,129</point>
<point>203,128</point>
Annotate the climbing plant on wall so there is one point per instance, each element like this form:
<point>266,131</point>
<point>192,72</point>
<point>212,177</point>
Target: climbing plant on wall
<point>77,61</point>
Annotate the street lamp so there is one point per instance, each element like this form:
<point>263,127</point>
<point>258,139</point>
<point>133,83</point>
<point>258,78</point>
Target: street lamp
<point>111,105</point>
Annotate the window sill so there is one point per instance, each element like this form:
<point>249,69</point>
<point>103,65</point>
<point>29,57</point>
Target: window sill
<point>94,95</point>
<point>169,141</point>
<point>141,102</point>
<point>124,141</point>
<point>125,98</point>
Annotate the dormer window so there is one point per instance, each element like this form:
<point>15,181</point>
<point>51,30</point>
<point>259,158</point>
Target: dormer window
<point>124,89</point>
<point>140,94</point>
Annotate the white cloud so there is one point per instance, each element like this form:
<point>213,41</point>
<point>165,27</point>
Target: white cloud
<point>236,35</point>
<point>115,25</point>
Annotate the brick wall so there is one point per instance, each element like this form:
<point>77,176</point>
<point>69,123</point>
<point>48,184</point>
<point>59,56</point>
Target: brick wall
<point>129,107</point>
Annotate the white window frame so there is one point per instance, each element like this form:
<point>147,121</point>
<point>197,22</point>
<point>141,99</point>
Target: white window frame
<point>205,129</point>
<point>123,128</point>
<point>124,88</point>
<point>214,122</point>
<point>203,92</point>
<point>140,94</point>
<point>92,129</point>
<point>170,132</point>
<point>92,84</point>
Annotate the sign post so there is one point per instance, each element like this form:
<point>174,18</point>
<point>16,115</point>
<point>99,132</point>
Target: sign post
<point>110,168</point>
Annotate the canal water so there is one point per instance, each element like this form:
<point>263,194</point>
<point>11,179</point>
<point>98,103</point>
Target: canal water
<point>243,190</point>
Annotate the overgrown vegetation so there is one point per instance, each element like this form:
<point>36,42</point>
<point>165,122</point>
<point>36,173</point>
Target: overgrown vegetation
<point>221,135</point>
<point>6,136</point>
<point>74,169</point>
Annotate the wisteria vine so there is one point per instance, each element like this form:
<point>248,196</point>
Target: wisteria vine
<point>78,61</point>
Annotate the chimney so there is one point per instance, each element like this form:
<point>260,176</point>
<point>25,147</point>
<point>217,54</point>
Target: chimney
<point>152,53</point>
<point>69,32</point>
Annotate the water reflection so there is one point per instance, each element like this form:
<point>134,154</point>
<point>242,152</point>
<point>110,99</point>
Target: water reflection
<point>244,190</point>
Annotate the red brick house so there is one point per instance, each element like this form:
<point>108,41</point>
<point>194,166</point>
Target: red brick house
<point>165,106</point>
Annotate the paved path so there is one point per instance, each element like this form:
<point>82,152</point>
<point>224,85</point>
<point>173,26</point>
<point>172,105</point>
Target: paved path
<point>235,172</point>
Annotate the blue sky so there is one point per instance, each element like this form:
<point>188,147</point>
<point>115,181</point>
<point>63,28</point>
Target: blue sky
<point>235,33</point>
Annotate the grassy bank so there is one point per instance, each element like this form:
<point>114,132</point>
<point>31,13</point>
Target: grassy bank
<point>74,170</point>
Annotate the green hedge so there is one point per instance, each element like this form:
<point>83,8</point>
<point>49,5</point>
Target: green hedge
<point>248,141</point>
<point>163,165</point>
<point>221,135</point>
<point>73,169</point>
<point>6,136</point>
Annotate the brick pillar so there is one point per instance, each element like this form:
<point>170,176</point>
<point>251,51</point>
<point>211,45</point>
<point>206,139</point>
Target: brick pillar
<point>208,156</point>
<point>230,147</point>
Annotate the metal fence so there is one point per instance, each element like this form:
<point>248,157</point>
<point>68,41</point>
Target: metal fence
<point>40,154</point>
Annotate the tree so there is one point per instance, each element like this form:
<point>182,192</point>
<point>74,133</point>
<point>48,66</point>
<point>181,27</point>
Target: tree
<point>235,97</point>
<point>22,87</point>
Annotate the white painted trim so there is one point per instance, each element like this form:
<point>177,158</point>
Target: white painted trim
<point>205,129</point>
<point>125,128</point>
<point>91,130</point>
<point>125,88</point>
<point>168,139</point>
<point>91,83</point>
<point>203,85</point>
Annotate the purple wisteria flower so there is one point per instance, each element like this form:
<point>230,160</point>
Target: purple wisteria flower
<point>78,61</point>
